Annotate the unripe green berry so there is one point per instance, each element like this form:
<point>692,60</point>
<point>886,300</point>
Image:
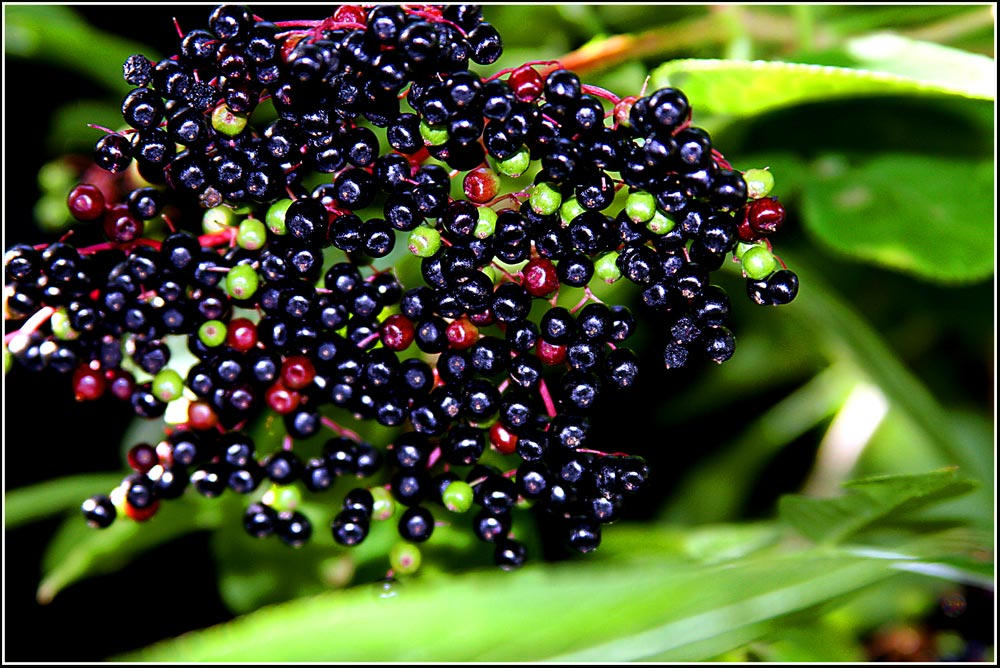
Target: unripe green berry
<point>759,182</point>
<point>660,223</point>
<point>606,267</point>
<point>640,206</point>
<point>758,263</point>
<point>433,135</point>
<point>252,234</point>
<point>424,241</point>
<point>275,217</point>
<point>242,281</point>
<point>487,223</point>
<point>61,329</point>
<point>569,210</point>
<point>742,247</point>
<point>8,359</point>
<point>212,333</point>
<point>515,165</point>
<point>384,506</point>
<point>457,496</point>
<point>228,122</point>
<point>283,498</point>
<point>545,199</point>
<point>217,219</point>
<point>404,558</point>
<point>167,385</point>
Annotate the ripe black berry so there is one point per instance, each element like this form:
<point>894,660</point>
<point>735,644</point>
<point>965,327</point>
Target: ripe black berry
<point>98,511</point>
<point>416,524</point>
<point>502,361</point>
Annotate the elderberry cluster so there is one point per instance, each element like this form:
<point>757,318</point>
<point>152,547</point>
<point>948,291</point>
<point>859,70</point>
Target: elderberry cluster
<point>306,150</point>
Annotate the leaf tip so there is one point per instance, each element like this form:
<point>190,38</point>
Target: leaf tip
<point>46,592</point>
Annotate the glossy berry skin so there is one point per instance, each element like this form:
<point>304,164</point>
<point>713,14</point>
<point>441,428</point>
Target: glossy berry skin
<point>489,527</point>
<point>171,482</point>
<point>349,527</point>
<point>210,479</point>
<point>86,202</point>
<point>509,554</point>
<point>557,326</point>
<point>98,511</point>
<point>765,216</point>
<point>781,287</point>
<point>293,529</point>
<point>540,279</point>
<point>359,500</point>
<point>283,467</point>
<point>583,535</point>
<point>259,520</point>
<point>142,108</point>
<point>113,153</point>
<point>416,524</point>
<point>410,486</point>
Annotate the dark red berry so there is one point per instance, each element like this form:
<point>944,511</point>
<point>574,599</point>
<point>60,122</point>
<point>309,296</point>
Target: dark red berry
<point>86,202</point>
<point>297,372</point>
<point>481,185</point>
<point>120,226</point>
<point>396,332</point>
<point>765,216</point>
<point>142,457</point>
<point>201,415</point>
<point>89,384</point>
<point>526,83</point>
<point>462,334</point>
<point>540,278</point>
<point>241,334</point>
<point>550,354</point>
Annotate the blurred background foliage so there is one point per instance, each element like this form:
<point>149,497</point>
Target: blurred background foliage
<point>878,122</point>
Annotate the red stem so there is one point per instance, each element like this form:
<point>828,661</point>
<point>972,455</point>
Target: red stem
<point>601,92</point>
<point>32,324</point>
<point>550,406</point>
<point>340,431</point>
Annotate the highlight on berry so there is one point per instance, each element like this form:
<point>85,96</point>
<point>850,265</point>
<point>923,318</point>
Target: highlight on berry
<point>232,267</point>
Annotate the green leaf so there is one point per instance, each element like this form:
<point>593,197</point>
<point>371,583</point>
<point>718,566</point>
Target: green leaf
<point>582,611</point>
<point>69,131</point>
<point>716,489</point>
<point>868,501</point>
<point>78,551</point>
<point>707,544</point>
<point>953,70</point>
<point>745,88</point>
<point>924,215</point>
<point>899,446</point>
<point>959,569</point>
<point>52,497</point>
<point>817,643</point>
<point>835,324</point>
<point>57,34</point>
